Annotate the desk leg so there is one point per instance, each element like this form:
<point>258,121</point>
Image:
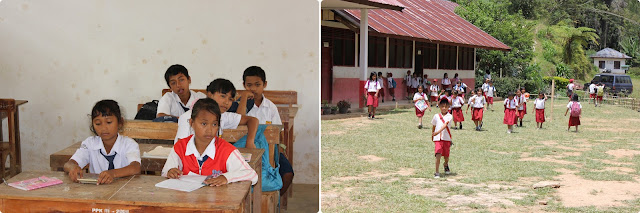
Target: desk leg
<point>290,152</point>
<point>18,150</point>
<point>257,190</point>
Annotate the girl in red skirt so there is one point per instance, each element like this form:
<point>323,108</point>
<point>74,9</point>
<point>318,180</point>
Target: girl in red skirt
<point>520,110</point>
<point>372,86</point>
<point>575,109</point>
<point>510,105</point>
<point>456,109</point>
<point>539,109</point>
<point>478,102</point>
<point>420,98</point>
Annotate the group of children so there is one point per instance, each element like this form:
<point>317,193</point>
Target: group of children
<point>197,148</point>
<point>515,107</point>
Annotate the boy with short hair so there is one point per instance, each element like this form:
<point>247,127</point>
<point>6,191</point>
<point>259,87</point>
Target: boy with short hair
<point>223,92</point>
<point>181,98</point>
<point>254,80</point>
<point>592,92</point>
<point>441,136</point>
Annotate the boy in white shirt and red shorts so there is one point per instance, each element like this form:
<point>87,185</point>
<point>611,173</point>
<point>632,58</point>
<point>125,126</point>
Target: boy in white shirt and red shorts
<point>441,136</point>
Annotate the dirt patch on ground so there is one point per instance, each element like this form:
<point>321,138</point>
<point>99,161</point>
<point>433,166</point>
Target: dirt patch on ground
<point>606,141</point>
<point>566,154</point>
<point>499,152</point>
<point>481,193</point>
<point>576,191</point>
<point>548,143</point>
<point>525,155</point>
<point>573,148</point>
<point>616,163</point>
<point>372,175</point>
<point>620,169</point>
<point>620,153</point>
<point>335,133</point>
<point>551,160</point>
<point>370,158</point>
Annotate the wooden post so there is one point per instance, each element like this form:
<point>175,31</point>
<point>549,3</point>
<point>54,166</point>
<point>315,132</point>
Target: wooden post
<point>553,97</point>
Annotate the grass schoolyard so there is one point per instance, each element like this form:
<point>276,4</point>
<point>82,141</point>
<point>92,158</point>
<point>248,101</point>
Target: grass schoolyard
<point>387,164</point>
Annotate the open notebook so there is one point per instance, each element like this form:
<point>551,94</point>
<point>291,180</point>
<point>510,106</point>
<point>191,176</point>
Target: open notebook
<point>186,183</point>
<point>36,183</point>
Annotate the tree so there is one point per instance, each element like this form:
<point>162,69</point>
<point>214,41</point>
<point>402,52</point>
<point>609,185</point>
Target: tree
<point>631,47</point>
<point>574,50</point>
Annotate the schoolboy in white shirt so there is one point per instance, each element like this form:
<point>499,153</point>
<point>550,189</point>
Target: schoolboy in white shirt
<point>441,136</point>
<point>181,98</point>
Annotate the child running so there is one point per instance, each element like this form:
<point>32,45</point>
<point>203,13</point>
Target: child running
<point>441,136</point>
<point>420,99</point>
<point>575,108</point>
<point>456,109</point>
<point>478,101</point>
<point>510,105</point>
<point>539,109</point>
<point>372,87</point>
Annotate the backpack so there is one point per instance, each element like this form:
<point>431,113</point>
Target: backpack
<point>575,109</point>
<point>393,83</point>
<point>271,179</point>
<point>148,111</point>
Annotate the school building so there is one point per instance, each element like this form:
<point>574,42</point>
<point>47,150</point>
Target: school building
<point>426,37</point>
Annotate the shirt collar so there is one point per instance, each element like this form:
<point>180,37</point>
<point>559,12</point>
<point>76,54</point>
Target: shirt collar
<point>99,145</point>
<point>190,102</point>
<point>191,149</point>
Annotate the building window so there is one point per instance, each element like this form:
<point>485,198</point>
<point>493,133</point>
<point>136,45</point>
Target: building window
<point>377,51</point>
<point>400,53</point>
<point>616,65</point>
<point>601,64</point>
<point>429,54</point>
<point>448,55</point>
<point>342,42</point>
<point>465,58</point>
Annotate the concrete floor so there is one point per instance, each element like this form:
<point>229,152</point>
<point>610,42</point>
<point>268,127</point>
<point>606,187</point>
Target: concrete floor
<point>305,198</point>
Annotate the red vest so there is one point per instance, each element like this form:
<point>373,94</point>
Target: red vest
<point>218,163</point>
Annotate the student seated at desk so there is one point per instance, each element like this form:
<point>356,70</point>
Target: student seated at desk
<point>254,82</point>
<point>108,153</point>
<point>222,92</point>
<point>180,99</point>
<point>204,153</point>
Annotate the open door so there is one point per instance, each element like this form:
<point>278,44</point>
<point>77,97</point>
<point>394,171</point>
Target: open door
<point>326,76</point>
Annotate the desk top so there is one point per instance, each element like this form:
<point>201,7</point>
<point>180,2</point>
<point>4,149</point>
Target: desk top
<point>20,102</point>
<point>136,190</point>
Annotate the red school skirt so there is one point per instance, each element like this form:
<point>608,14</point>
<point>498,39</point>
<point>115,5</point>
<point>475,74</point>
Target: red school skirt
<point>434,98</point>
<point>539,115</point>
<point>574,121</point>
<point>509,117</point>
<point>457,114</point>
<point>418,112</point>
<point>476,114</point>
<point>520,114</point>
<point>490,100</point>
<point>372,99</point>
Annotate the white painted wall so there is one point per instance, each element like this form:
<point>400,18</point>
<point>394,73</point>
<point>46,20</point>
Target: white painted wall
<point>609,64</point>
<point>63,56</point>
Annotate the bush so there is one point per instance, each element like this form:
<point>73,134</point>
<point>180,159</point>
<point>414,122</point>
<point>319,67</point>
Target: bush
<point>509,84</point>
<point>561,83</point>
<point>634,71</point>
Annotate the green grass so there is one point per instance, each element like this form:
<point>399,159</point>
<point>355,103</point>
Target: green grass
<point>477,158</point>
<point>636,88</point>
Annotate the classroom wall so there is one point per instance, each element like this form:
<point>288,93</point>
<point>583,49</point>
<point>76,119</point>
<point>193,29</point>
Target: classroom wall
<point>63,56</point>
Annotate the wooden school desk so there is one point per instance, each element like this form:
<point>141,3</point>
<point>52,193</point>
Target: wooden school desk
<point>128,194</point>
<point>16,166</point>
<point>58,159</point>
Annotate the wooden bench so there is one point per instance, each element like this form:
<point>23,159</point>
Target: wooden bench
<point>287,102</point>
<point>128,194</point>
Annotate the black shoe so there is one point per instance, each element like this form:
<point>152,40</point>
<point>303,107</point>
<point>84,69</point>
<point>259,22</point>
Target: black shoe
<point>394,99</point>
<point>520,123</point>
<point>460,125</point>
<point>373,117</point>
<point>419,126</point>
<point>446,170</point>
<point>382,101</point>
<point>481,122</point>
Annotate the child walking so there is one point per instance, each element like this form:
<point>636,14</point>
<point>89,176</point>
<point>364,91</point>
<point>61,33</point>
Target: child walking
<point>420,99</point>
<point>373,86</point>
<point>575,109</point>
<point>441,136</point>
<point>434,89</point>
<point>510,105</point>
<point>539,109</point>
<point>446,82</point>
<point>407,82</point>
<point>391,86</point>
<point>478,101</point>
<point>381,81</point>
<point>521,111</point>
<point>489,92</point>
<point>456,109</point>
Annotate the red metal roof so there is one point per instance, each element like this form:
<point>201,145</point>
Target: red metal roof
<point>434,20</point>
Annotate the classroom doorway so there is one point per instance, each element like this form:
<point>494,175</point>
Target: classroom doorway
<point>419,62</point>
<point>326,79</point>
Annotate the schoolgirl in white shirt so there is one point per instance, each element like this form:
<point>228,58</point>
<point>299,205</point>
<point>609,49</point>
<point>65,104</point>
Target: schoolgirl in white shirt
<point>446,82</point>
<point>373,87</point>
<point>108,154</point>
<point>420,96</point>
<point>456,109</point>
<point>539,109</point>
<point>478,101</point>
<point>510,105</point>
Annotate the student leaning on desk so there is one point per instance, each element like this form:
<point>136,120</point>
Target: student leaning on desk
<point>204,153</point>
<point>108,154</point>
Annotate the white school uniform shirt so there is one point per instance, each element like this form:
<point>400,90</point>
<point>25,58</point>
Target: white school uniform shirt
<point>446,81</point>
<point>390,83</point>
<point>539,103</point>
<point>511,104</point>
<point>170,103</point>
<point>417,95</point>
<point>228,120</point>
<point>522,100</point>
<point>415,82</point>
<point>425,83</point>
<point>125,149</point>
<point>570,86</point>
<point>407,79</point>
<point>484,87</point>
<point>434,90</point>
<point>457,102</point>
<point>592,89</point>
<point>470,101</point>
<point>489,91</point>
<point>478,101</point>
<point>237,168</point>
<point>571,103</point>
<point>444,135</point>
<point>380,82</point>
<point>372,86</point>
<point>266,113</point>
